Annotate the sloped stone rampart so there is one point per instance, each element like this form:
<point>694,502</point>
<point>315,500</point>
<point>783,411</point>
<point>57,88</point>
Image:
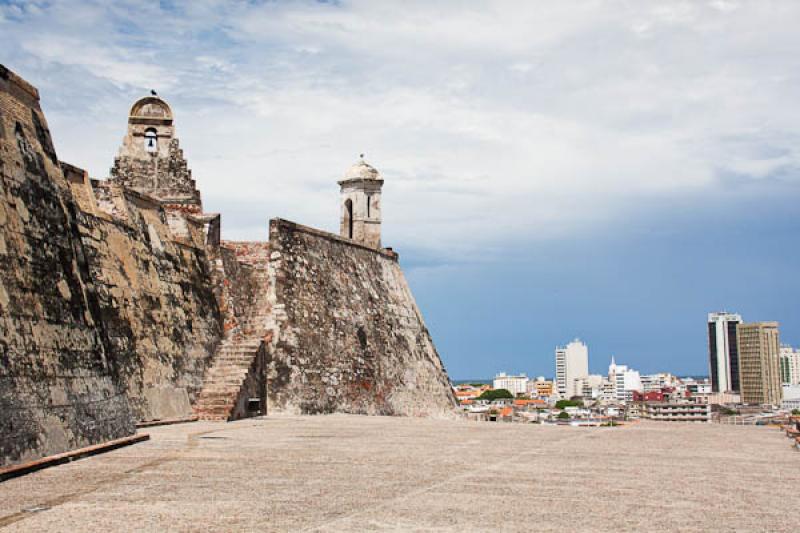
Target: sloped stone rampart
<point>56,386</point>
<point>348,334</point>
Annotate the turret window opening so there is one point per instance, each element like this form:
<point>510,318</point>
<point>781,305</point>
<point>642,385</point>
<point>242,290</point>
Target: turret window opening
<point>150,140</point>
<point>369,201</point>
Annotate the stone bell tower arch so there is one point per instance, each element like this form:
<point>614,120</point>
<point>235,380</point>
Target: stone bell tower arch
<point>150,159</point>
<point>361,204</point>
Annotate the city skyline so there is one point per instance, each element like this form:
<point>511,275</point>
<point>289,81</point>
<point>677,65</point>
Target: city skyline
<point>719,331</point>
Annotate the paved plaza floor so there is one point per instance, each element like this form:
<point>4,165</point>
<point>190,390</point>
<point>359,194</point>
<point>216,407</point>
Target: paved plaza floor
<point>358,473</point>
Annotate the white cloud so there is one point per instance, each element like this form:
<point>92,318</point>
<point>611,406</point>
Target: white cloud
<point>491,121</point>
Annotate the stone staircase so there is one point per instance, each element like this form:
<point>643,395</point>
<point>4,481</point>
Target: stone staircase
<point>225,389</point>
<point>237,375</point>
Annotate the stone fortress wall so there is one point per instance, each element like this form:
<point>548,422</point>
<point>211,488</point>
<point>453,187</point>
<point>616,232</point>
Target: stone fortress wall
<point>155,293</point>
<point>120,304</point>
<point>350,337</point>
<point>57,386</point>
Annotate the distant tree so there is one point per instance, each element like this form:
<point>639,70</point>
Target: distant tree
<point>496,394</point>
<point>728,411</point>
<point>562,404</point>
<point>796,412</point>
<point>563,415</point>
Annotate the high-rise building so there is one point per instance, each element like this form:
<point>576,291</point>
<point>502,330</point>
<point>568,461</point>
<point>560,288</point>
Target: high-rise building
<point>790,365</point>
<point>572,362</point>
<point>723,352</point>
<point>759,362</point>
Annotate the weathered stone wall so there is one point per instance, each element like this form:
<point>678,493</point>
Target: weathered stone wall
<point>56,386</point>
<point>247,280</point>
<point>348,335</point>
<point>158,311</point>
<point>236,288</point>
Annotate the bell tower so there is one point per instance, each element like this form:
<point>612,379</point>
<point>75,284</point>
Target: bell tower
<point>361,204</point>
<point>150,159</point>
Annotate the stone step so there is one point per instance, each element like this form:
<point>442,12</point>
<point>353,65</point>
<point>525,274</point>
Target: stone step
<point>214,406</point>
<point>219,407</point>
<point>222,371</point>
<point>219,391</point>
<point>211,416</point>
<point>232,363</point>
<point>222,388</point>
<point>229,368</point>
<point>236,355</point>
<point>224,383</point>
<point>227,373</point>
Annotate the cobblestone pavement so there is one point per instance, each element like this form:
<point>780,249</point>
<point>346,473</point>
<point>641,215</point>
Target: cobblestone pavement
<point>358,473</point>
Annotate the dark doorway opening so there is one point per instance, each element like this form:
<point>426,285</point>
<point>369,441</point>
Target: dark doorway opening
<point>348,205</point>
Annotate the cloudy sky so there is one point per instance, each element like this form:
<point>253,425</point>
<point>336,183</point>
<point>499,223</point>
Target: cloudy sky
<point>605,170</point>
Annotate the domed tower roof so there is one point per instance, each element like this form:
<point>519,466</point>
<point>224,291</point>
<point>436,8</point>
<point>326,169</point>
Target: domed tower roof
<point>150,110</point>
<point>362,171</point>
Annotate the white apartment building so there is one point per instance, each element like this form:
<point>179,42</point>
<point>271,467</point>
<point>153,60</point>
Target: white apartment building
<point>624,381</point>
<point>609,391</point>
<point>572,362</point>
<point>656,382</point>
<point>697,388</point>
<point>540,387</point>
<point>514,384</point>
<point>677,412</point>
<point>723,351</point>
<point>791,397</point>
<point>790,365</point>
<point>721,398</point>
<point>591,386</point>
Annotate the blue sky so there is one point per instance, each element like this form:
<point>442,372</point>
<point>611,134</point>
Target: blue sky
<point>607,170</point>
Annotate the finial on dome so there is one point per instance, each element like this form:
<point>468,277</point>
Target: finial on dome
<point>362,170</point>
